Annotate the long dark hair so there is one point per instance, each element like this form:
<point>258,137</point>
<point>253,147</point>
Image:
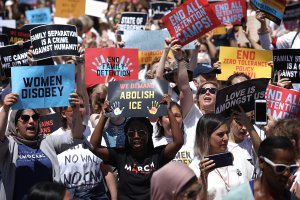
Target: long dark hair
<point>47,190</point>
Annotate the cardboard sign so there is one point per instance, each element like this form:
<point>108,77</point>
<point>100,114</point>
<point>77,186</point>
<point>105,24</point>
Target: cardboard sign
<point>39,16</point>
<point>43,86</point>
<point>273,9</point>
<point>137,98</point>
<point>230,11</point>
<point>3,40</point>
<point>283,103</point>
<point>54,40</point>
<point>147,57</point>
<point>102,65</point>
<point>243,94</point>
<point>15,35</point>
<point>69,8</point>
<point>148,40</point>
<point>132,21</point>
<point>252,62</point>
<point>14,55</point>
<point>190,20</point>
<point>50,123</point>
<point>291,13</point>
<point>287,61</point>
<point>159,9</point>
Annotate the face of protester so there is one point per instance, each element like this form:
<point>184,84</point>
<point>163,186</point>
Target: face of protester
<point>191,192</point>
<point>165,122</point>
<point>203,49</point>
<point>218,140</point>
<point>207,100</point>
<point>274,180</point>
<point>137,135</point>
<point>28,127</point>
<point>239,131</point>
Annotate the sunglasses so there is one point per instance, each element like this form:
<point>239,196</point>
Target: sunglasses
<point>210,90</point>
<point>281,168</point>
<point>26,118</point>
<point>191,194</point>
<point>141,133</point>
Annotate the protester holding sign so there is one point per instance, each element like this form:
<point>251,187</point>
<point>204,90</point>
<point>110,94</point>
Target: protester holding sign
<point>139,159</point>
<point>27,158</point>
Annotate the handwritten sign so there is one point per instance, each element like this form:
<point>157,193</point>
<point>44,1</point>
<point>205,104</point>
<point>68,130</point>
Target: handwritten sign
<point>69,8</point>
<point>43,86</point>
<point>252,62</point>
<point>137,98</point>
<point>283,103</point>
<point>190,20</point>
<point>15,35</point>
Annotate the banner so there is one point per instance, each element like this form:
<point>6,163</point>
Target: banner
<point>287,61</point>
<point>148,40</point>
<point>3,40</point>
<point>104,65</point>
<point>14,55</point>
<point>15,35</point>
<point>69,8</point>
<point>282,103</point>
<point>190,20</point>
<point>158,9</point>
<point>273,9</point>
<point>50,123</point>
<point>137,98</point>
<point>54,40</point>
<point>291,14</point>
<point>39,16</point>
<point>230,11</point>
<point>248,61</point>
<point>132,21</point>
<point>43,86</point>
<point>243,94</point>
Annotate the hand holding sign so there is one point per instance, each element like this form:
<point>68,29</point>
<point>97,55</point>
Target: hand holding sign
<point>283,82</point>
<point>9,100</point>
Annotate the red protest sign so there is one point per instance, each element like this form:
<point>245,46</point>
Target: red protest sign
<point>231,11</point>
<point>190,20</point>
<point>283,103</point>
<point>110,64</point>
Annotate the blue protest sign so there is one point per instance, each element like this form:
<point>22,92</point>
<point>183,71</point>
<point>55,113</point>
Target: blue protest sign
<point>39,16</point>
<point>42,86</point>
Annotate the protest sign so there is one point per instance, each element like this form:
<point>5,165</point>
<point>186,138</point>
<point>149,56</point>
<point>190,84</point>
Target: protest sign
<point>137,98</point>
<point>158,9</point>
<point>15,35</point>
<point>53,40</point>
<point>132,21</point>
<point>273,9</point>
<point>69,8</point>
<point>291,14</point>
<point>230,11</point>
<point>95,8</point>
<point>148,40</point>
<point>43,86</point>
<point>243,94</point>
<point>39,16</point>
<point>14,55</point>
<point>282,103</point>
<point>3,40</point>
<point>10,23</point>
<point>147,57</point>
<point>287,62</point>
<point>103,65</point>
<point>28,27</point>
<point>50,123</point>
<point>248,61</point>
<point>30,2</point>
<point>190,20</point>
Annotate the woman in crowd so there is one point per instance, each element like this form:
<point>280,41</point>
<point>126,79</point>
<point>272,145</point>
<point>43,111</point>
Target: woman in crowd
<point>139,159</point>
<point>206,97</point>
<point>212,136</point>
<point>26,158</point>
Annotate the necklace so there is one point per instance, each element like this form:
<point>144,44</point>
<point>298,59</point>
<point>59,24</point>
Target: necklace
<point>227,186</point>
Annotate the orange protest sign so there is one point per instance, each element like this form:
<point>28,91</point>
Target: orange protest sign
<point>69,8</point>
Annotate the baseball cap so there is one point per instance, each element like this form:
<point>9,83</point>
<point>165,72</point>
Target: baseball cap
<point>203,68</point>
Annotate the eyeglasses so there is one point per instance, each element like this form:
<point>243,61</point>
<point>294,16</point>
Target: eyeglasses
<point>191,194</point>
<point>141,133</point>
<point>26,118</point>
<point>281,168</point>
<point>210,90</point>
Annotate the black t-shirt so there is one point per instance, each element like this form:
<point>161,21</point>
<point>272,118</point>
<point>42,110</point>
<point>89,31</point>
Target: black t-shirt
<point>135,175</point>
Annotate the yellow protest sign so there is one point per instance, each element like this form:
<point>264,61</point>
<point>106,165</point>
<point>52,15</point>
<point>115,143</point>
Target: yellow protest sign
<point>147,57</point>
<point>248,61</point>
<point>70,8</point>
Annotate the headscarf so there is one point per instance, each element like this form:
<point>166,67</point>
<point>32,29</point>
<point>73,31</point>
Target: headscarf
<point>11,130</point>
<point>167,182</point>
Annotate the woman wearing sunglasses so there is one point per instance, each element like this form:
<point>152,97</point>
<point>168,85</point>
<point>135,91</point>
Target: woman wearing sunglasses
<point>206,97</point>
<point>139,159</point>
<point>26,157</point>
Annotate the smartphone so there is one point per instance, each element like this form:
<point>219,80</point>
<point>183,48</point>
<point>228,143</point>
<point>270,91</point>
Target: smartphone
<point>261,117</point>
<point>221,159</point>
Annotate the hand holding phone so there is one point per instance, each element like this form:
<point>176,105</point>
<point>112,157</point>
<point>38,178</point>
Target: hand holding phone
<point>261,112</point>
<point>221,159</point>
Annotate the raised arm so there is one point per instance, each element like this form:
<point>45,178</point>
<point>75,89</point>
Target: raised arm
<point>161,64</point>
<point>77,127</point>
<point>172,148</point>
<point>253,43</point>
<point>194,56</point>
